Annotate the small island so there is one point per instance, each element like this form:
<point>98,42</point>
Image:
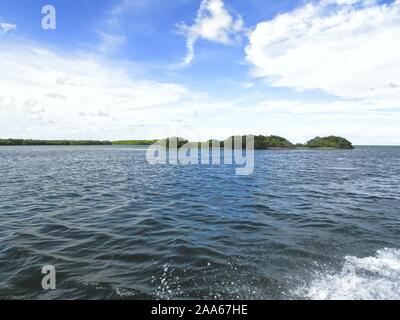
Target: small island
<point>331,142</point>
<point>260,143</point>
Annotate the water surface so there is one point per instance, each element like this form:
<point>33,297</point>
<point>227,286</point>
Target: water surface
<point>307,224</point>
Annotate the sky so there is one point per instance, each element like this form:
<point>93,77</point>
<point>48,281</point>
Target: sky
<point>200,69</point>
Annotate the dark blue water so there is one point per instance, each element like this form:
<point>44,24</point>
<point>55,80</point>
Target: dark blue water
<point>307,224</point>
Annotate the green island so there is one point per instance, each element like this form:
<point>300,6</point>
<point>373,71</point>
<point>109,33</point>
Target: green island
<point>328,142</point>
<point>260,143</point>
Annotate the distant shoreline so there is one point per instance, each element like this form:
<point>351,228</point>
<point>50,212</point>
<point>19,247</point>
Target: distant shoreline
<point>260,143</point>
<point>147,145</point>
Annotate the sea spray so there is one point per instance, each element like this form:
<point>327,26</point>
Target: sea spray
<point>369,278</point>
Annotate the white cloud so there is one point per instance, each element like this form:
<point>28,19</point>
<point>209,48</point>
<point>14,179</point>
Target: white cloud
<point>348,48</point>
<point>52,96</point>
<point>213,23</point>
<point>6,27</point>
<point>65,95</point>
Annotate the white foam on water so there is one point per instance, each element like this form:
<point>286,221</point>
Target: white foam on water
<point>371,278</point>
<point>124,292</point>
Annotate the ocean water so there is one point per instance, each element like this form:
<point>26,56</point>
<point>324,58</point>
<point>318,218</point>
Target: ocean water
<point>322,224</point>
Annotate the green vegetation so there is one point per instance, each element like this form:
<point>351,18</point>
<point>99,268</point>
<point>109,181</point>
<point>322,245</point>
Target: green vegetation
<point>265,142</point>
<point>260,142</point>
<point>329,142</point>
<point>166,142</point>
<point>134,142</point>
<point>30,142</point>
<point>272,142</point>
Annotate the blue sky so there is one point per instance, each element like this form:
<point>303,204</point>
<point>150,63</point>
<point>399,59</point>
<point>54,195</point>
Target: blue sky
<point>117,69</point>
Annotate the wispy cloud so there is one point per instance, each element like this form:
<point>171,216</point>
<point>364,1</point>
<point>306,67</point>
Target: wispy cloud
<point>213,23</point>
<point>110,42</point>
<point>112,36</point>
<point>6,27</point>
<point>124,6</point>
<point>50,92</point>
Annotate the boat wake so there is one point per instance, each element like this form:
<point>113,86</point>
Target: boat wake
<point>371,278</point>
